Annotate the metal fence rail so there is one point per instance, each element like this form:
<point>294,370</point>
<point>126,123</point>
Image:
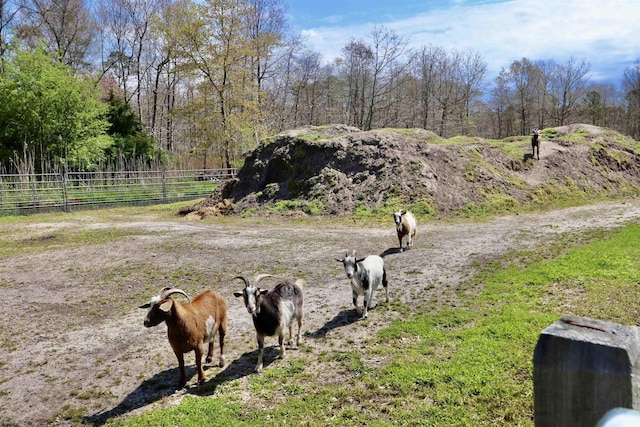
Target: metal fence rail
<point>66,191</point>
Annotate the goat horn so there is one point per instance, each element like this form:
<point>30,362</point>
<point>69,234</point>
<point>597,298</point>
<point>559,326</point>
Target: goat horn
<point>246,282</point>
<point>259,277</point>
<point>170,291</point>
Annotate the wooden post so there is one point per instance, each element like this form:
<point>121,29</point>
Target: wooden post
<point>582,368</point>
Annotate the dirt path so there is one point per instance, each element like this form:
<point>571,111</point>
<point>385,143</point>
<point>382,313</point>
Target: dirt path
<point>75,348</point>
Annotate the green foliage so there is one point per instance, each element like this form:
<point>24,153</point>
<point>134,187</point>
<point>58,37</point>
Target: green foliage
<point>422,208</point>
<point>46,111</point>
<point>494,203</point>
<point>130,141</point>
<point>313,207</point>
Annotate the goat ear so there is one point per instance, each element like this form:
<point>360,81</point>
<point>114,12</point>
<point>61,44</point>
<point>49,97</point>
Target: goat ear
<point>166,306</point>
<point>359,259</point>
<point>147,305</point>
<point>263,291</point>
<point>237,294</point>
<point>339,260</point>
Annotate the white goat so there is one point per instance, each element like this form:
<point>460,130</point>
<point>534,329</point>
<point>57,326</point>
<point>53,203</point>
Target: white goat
<point>273,311</point>
<point>406,225</point>
<point>365,274</point>
<point>190,325</point>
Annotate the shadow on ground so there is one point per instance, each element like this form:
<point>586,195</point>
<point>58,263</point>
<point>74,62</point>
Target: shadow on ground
<point>164,383</point>
<point>343,318</point>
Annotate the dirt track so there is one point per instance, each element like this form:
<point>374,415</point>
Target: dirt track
<point>76,347</point>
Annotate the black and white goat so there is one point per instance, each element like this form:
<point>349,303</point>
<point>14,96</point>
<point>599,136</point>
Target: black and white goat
<point>273,311</point>
<point>535,143</point>
<point>366,275</point>
<point>190,325</point>
<point>406,226</point>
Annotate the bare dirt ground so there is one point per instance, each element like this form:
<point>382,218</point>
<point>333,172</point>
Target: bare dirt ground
<point>73,348</point>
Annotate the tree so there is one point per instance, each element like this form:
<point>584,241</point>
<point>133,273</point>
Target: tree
<point>567,88</point>
<point>130,140</point>
<point>525,77</point>
<point>48,115</point>
<point>66,26</point>
<point>8,11</point>
<point>387,49</point>
<point>356,66</point>
<point>631,86</point>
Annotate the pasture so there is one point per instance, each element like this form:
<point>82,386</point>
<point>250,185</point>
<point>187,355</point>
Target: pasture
<point>453,346</point>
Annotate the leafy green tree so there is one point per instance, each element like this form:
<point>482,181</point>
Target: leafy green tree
<point>50,116</point>
<point>130,140</point>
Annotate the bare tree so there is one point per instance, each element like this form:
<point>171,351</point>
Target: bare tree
<point>9,10</point>
<point>66,26</point>
<point>356,64</point>
<point>267,27</point>
<point>567,88</point>
<point>387,50</point>
<point>427,64</point>
<point>525,78</point>
<point>631,86</point>
<point>472,72</point>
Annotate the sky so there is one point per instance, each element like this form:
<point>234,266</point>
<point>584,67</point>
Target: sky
<point>604,32</point>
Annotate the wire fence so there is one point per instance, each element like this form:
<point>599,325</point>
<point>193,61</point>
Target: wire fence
<point>69,191</point>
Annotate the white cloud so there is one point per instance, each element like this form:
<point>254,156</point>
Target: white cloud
<point>604,32</point>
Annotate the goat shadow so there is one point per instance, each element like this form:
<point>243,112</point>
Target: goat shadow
<point>163,384</point>
<point>390,251</point>
<point>343,318</point>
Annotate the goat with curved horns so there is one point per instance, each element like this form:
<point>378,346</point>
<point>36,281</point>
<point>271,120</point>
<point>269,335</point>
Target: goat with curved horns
<point>190,325</point>
<point>273,311</point>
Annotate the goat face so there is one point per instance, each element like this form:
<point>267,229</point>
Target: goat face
<point>158,311</point>
<point>397,217</point>
<point>252,297</point>
<point>350,264</point>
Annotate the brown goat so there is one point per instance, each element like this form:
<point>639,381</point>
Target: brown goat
<point>406,226</point>
<point>190,325</point>
<point>535,143</point>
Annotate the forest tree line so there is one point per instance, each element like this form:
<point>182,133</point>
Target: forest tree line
<point>90,83</point>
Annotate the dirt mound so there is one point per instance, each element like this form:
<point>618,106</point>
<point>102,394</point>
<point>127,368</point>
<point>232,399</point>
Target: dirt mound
<point>337,169</point>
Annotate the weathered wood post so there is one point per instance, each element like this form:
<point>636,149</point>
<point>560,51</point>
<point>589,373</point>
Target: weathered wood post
<point>582,368</point>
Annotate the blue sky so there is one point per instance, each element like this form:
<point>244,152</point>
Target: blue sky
<point>604,32</point>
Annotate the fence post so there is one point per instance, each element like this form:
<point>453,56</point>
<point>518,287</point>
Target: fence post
<point>65,198</point>
<point>164,186</point>
<point>582,368</point>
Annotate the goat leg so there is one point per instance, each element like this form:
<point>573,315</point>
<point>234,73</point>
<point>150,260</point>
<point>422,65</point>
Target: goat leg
<point>221,335</point>
<point>260,352</point>
<point>182,381</point>
<point>281,342</point>
<point>210,353</point>
<point>198,351</point>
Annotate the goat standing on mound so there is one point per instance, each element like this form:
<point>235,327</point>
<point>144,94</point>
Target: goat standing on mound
<point>535,143</point>
<point>190,325</point>
<point>406,225</point>
<point>365,274</point>
<point>273,311</point>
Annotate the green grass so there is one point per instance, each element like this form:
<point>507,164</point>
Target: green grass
<point>463,366</point>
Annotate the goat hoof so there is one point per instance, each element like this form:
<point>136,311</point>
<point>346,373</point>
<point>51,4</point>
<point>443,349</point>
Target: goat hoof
<point>208,359</point>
